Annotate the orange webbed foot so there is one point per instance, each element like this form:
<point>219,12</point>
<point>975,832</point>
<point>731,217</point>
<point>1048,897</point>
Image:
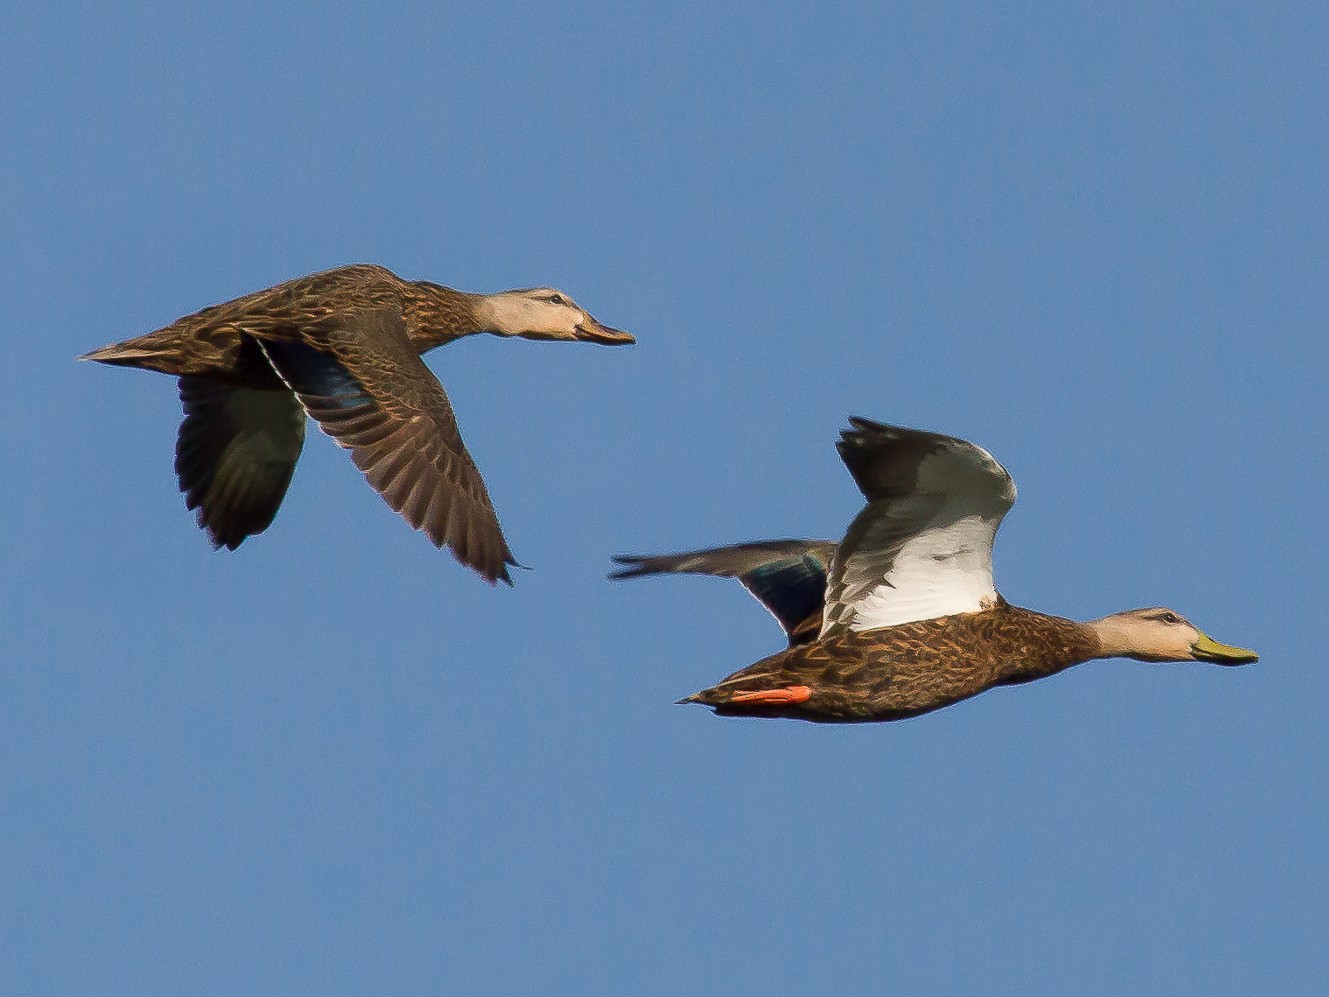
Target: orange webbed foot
<point>789,694</point>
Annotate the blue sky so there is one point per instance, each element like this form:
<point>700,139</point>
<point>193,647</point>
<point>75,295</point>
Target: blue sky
<point>1091,239</point>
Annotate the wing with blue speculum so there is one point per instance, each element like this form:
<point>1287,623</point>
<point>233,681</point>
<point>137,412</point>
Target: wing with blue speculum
<point>788,577</point>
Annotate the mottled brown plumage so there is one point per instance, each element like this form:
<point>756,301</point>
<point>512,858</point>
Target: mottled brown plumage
<point>344,347</point>
<point>212,340</point>
<point>912,668</point>
<point>910,619</point>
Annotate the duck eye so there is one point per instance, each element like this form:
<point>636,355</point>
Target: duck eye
<point>557,299</point>
<point>1171,618</point>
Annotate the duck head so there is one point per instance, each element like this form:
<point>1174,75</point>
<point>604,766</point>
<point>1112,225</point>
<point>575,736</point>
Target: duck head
<point>1159,634</point>
<point>545,313</point>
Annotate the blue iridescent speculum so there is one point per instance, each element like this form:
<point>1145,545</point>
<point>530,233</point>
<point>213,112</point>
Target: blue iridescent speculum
<point>312,372</point>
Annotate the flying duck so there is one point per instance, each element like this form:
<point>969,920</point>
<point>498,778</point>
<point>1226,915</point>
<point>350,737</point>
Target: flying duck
<point>910,620</point>
<point>343,347</point>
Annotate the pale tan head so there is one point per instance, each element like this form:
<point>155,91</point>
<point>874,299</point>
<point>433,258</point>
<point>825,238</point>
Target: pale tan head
<point>544,313</point>
<point>1159,634</point>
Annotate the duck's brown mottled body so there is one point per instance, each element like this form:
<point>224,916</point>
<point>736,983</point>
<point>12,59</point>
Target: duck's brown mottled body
<point>909,669</point>
<point>342,346</point>
<point>911,619</point>
<point>218,340</point>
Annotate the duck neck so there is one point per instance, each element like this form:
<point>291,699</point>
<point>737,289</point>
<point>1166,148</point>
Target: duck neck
<point>1045,645</point>
<point>436,315</point>
<point>1115,640</point>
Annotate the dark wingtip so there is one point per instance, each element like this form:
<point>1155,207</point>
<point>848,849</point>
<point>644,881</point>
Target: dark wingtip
<point>506,577</point>
<point>865,437</point>
<point>214,541</point>
<point>222,543</point>
<point>501,574</point>
<point>859,428</point>
<point>633,567</point>
<point>688,700</point>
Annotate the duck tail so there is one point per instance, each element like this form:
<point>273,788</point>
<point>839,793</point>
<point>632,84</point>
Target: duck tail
<point>716,695</point>
<point>155,351</point>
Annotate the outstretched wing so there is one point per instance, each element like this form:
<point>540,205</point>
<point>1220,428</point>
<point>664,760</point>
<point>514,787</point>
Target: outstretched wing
<point>235,453</point>
<point>788,577</point>
<point>368,389</point>
<point>922,546</point>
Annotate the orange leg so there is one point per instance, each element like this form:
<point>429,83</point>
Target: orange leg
<point>789,694</point>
